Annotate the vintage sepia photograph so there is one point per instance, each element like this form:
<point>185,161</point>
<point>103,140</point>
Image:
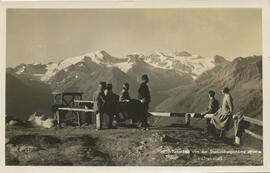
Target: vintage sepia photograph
<point>134,87</point>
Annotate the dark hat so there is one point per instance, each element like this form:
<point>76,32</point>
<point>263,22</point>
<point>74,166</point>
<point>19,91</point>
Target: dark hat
<point>109,86</point>
<point>126,85</point>
<point>211,93</point>
<point>226,90</point>
<point>102,83</point>
<point>145,77</point>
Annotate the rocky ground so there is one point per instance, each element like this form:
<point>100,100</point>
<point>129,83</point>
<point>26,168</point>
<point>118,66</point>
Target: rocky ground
<point>163,146</point>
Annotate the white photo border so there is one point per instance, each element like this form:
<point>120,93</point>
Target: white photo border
<point>89,4</point>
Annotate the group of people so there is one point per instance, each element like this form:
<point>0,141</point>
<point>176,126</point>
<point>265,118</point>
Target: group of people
<point>222,116</point>
<point>105,99</point>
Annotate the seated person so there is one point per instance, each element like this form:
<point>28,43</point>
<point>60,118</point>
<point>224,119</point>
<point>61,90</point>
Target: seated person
<point>239,127</point>
<point>222,117</point>
<point>212,108</point>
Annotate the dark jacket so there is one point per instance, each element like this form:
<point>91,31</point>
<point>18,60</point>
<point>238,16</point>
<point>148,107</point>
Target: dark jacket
<point>111,103</point>
<point>144,93</point>
<point>99,101</point>
<point>213,106</point>
<point>124,95</point>
<point>112,97</point>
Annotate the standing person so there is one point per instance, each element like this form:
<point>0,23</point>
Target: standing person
<point>145,98</point>
<point>222,117</point>
<point>239,127</point>
<point>109,94</point>
<point>99,102</point>
<point>111,103</point>
<point>124,95</point>
<point>212,108</point>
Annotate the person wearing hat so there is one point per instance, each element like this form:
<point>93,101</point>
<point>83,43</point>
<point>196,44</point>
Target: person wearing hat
<point>99,102</point>
<point>222,117</point>
<point>145,98</point>
<point>211,109</point>
<point>109,94</point>
<point>111,104</point>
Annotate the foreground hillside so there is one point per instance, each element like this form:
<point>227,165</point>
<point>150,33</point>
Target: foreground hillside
<point>163,146</point>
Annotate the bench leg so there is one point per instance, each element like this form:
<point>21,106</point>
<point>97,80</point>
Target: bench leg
<point>187,120</point>
<point>98,120</point>
<point>79,118</point>
<point>58,118</point>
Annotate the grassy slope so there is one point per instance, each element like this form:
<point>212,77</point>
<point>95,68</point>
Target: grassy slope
<point>86,146</point>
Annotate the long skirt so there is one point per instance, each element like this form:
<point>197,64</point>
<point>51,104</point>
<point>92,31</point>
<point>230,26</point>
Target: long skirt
<point>221,119</point>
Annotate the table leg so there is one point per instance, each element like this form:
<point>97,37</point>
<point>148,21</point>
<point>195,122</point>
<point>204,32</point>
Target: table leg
<point>79,118</point>
<point>58,118</point>
<point>187,119</point>
<point>98,120</point>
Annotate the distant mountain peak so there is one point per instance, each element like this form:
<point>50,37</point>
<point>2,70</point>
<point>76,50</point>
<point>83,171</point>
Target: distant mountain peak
<point>69,61</point>
<point>135,57</point>
<point>158,53</point>
<point>99,54</point>
<point>102,53</point>
<point>182,53</point>
<point>136,54</point>
<point>220,59</point>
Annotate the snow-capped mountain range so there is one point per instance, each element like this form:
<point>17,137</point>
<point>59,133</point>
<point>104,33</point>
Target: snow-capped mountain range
<point>179,81</point>
<point>181,62</point>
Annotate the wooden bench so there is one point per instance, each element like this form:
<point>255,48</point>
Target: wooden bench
<point>83,101</point>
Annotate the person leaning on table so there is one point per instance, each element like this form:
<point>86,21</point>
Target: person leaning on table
<point>99,102</point>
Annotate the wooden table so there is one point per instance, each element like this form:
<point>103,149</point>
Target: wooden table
<point>67,100</point>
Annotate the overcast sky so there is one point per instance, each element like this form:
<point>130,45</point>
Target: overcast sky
<point>44,35</point>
